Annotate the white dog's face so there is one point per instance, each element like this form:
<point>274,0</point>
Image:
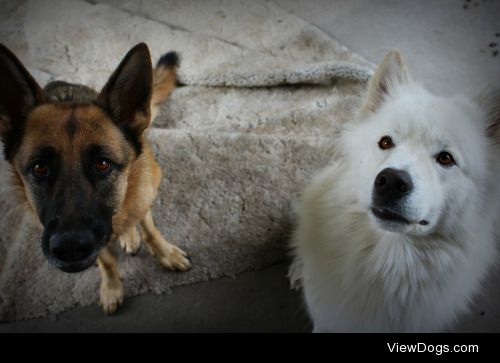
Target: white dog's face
<point>416,157</point>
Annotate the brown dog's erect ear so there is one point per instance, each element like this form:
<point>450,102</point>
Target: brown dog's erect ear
<point>19,94</point>
<point>127,94</point>
<point>391,73</point>
<point>489,101</point>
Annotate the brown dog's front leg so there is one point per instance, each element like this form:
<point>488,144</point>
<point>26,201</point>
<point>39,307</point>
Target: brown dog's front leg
<point>130,241</point>
<point>111,293</point>
<point>170,256</point>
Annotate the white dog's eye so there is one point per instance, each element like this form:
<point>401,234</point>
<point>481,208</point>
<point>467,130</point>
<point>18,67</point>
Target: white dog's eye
<point>445,159</point>
<point>386,143</point>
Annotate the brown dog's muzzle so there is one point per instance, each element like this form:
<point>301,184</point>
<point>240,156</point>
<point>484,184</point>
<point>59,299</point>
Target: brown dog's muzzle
<point>74,247</point>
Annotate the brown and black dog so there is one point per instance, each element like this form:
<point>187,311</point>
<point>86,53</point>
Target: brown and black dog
<point>80,160</point>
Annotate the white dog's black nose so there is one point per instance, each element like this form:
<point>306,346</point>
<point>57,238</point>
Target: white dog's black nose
<point>391,185</point>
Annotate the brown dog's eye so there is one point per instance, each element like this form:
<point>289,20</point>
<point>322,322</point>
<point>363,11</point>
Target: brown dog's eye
<point>40,170</point>
<point>102,166</point>
<point>386,143</point>
<point>445,159</point>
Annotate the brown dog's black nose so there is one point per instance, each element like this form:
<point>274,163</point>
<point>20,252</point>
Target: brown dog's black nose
<point>391,185</point>
<point>74,246</point>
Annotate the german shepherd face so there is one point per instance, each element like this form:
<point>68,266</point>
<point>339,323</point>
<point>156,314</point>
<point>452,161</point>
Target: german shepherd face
<point>72,160</point>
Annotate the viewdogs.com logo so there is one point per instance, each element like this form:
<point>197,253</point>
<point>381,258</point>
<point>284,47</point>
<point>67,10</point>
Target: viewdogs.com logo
<point>437,349</point>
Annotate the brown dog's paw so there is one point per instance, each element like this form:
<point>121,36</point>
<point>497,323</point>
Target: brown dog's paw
<point>111,298</point>
<point>174,259</point>
<point>130,241</point>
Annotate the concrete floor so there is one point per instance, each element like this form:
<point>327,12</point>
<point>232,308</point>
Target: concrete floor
<point>447,46</point>
<point>253,302</point>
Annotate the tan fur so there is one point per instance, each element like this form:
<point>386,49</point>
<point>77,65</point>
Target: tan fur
<point>71,127</point>
<point>144,178</point>
<point>143,182</point>
<point>111,292</point>
<point>164,79</point>
<point>130,240</point>
<point>93,127</point>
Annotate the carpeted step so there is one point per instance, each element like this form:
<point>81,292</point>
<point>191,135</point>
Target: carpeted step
<point>227,199</point>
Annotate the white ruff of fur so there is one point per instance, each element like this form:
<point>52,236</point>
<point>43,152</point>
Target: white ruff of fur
<point>359,277</point>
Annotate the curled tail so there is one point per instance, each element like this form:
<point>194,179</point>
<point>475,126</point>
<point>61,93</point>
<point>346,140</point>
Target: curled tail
<point>164,80</point>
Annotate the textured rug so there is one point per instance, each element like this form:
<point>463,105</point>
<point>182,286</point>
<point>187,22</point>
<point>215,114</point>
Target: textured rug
<point>262,97</point>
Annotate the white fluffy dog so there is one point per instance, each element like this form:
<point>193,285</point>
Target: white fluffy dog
<point>398,232</point>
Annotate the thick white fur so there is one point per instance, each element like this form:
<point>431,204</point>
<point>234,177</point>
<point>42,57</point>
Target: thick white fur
<point>360,275</point>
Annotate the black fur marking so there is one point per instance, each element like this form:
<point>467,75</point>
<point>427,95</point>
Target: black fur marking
<point>59,91</point>
<point>12,143</point>
<point>19,94</point>
<point>128,93</point>
<point>71,126</point>
<point>133,139</point>
<point>170,59</point>
<point>129,134</point>
<point>95,152</point>
<point>71,204</point>
<point>47,154</point>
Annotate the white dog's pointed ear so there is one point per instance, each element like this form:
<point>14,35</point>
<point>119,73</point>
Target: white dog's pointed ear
<point>391,73</point>
<point>489,102</point>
